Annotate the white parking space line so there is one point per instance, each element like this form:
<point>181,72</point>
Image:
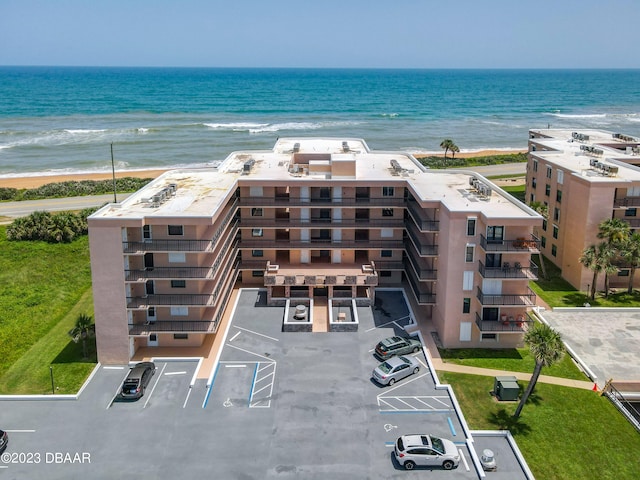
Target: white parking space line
<point>234,337</point>
<point>421,362</point>
<point>176,373</point>
<point>464,459</point>
<point>388,391</point>
<point>113,368</point>
<point>265,375</point>
<point>154,386</point>
<point>250,352</point>
<point>20,431</point>
<point>389,323</point>
<point>236,365</point>
<point>257,333</point>
<point>187,399</point>
<point>413,404</point>
<point>115,395</point>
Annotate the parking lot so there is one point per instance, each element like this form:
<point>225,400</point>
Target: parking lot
<point>278,405</point>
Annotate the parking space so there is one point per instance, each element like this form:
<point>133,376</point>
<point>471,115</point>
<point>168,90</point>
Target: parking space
<point>303,403</point>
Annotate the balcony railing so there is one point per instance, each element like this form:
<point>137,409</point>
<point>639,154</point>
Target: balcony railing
<point>389,265</point>
<point>627,202</point>
<point>169,272</point>
<point>423,273</point>
<point>424,223</point>
<point>182,326</point>
<point>508,271</point>
<point>154,300</point>
<point>321,202</point>
<point>528,298</point>
<point>521,244</point>
<point>520,324</point>
<point>321,243</point>
<point>252,222</point>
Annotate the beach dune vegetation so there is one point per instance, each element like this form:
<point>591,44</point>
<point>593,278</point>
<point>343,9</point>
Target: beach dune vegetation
<point>63,227</point>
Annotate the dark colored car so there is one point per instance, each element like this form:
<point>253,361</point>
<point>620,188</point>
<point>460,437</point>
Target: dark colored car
<point>4,440</point>
<point>139,377</point>
<point>391,346</point>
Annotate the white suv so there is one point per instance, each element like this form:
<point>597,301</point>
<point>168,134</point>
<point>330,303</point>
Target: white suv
<point>426,450</point>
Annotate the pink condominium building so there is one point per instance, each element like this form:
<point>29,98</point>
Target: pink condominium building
<point>313,218</point>
<point>583,177</point>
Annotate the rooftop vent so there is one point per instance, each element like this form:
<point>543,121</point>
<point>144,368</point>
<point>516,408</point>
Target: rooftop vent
<point>296,147</point>
<point>581,137</point>
<point>248,165</point>
<point>395,165</point>
<point>624,138</point>
<point>345,147</point>
<point>162,196</point>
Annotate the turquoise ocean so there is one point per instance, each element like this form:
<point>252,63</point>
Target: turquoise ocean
<point>63,119</point>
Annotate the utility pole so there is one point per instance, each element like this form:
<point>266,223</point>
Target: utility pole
<point>113,170</point>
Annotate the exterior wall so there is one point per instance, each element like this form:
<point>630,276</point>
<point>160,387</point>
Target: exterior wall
<point>107,272</point>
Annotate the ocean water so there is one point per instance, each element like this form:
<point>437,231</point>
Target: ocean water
<point>64,119</point>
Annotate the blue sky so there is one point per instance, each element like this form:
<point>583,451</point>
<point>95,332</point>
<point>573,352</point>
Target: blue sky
<point>322,33</point>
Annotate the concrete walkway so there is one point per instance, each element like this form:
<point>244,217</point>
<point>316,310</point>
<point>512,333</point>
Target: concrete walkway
<point>440,365</point>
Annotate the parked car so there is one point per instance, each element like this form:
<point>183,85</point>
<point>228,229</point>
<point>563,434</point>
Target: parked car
<point>391,346</point>
<point>394,369</point>
<point>426,450</point>
<point>4,440</point>
<point>136,382</point>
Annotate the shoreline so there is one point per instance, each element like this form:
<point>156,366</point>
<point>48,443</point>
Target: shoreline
<point>35,181</point>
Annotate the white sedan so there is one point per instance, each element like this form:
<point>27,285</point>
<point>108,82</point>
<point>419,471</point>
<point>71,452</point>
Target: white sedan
<point>394,369</point>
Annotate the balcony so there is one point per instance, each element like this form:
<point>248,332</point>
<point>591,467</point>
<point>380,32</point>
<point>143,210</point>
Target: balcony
<point>156,300</point>
<point>321,202</point>
<point>520,244</point>
<point>182,326</point>
<point>421,219</point>
<point>169,272</point>
<point>508,271</point>
<point>420,244</point>
<point>320,243</point>
<point>516,299</point>
<point>320,275</point>
<point>520,324</point>
<point>627,202</point>
<point>422,271</point>
<point>253,222</point>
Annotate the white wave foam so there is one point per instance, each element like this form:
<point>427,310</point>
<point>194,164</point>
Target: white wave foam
<point>235,126</point>
<point>584,115</point>
<point>142,130</point>
<point>83,131</point>
<point>276,127</point>
<point>391,115</point>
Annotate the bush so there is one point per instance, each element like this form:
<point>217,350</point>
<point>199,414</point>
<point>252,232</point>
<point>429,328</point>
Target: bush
<point>61,227</point>
<point>441,162</point>
<point>74,188</point>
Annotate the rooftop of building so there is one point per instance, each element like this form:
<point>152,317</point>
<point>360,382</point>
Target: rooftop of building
<point>596,155</point>
<point>201,192</point>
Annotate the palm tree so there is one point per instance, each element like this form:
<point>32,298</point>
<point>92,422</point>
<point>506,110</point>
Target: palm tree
<point>589,259</point>
<point>630,251</point>
<point>83,329</point>
<point>614,231</point>
<point>447,143</point>
<point>454,149</point>
<point>547,348</point>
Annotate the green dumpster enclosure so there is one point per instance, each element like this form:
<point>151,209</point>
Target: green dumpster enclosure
<point>506,388</point>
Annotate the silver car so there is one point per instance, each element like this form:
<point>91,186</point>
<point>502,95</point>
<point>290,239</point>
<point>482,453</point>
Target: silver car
<point>394,369</point>
<point>426,450</point>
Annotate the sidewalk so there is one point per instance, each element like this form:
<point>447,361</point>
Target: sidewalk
<point>439,364</point>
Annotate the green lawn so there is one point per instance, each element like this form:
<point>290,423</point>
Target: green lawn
<point>564,433</point>
<point>510,359</point>
<point>43,288</point>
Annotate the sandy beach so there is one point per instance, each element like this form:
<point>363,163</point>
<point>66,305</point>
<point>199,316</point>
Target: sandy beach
<point>37,181</point>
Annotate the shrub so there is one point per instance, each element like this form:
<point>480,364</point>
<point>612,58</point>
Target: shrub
<point>61,227</point>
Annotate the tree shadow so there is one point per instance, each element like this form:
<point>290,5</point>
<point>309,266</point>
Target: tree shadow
<point>464,353</point>
<point>72,353</point>
<point>504,420</point>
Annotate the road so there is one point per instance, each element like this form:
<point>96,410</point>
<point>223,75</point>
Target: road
<point>20,209</point>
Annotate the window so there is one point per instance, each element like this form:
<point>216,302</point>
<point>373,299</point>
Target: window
<point>386,253</point>
<point>256,212</point>
<point>257,273</point>
<point>547,189</point>
<point>388,191</point>
<point>256,232</point>
<point>466,305</point>
<point>534,182</point>
<point>495,234</point>
<point>465,331</point>
<point>146,232</point>
<point>559,196</point>
<point>471,227</point>
<point>532,198</point>
<point>178,283</point>
<point>489,336</point>
<point>548,171</point>
<point>467,280</point>
<point>387,212</point>
<point>257,253</point>
<point>544,224</point>
<point>177,257</point>
<point>560,177</point>
<point>555,231</point>
<point>255,192</point>
<point>556,214</point>
<point>554,250</point>
<point>175,229</point>
<point>543,241</point>
<point>623,273</point>
<point>181,336</point>
<point>386,233</point>
<point>630,212</point>
<point>535,165</point>
<point>179,311</point>
<point>468,256</point>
